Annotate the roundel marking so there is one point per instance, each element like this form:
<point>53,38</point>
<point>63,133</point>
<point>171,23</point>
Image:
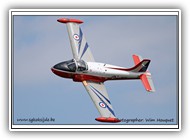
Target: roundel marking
<point>101,104</point>
<point>76,37</point>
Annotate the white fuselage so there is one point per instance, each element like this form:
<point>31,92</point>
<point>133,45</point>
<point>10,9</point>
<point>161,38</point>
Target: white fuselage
<point>110,71</point>
<point>93,71</point>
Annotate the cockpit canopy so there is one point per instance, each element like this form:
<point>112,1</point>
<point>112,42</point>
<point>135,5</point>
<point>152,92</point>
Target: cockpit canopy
<point>72,65</point>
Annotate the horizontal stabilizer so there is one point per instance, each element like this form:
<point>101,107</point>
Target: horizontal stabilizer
<point>137,59</point>
<point>147,82</point>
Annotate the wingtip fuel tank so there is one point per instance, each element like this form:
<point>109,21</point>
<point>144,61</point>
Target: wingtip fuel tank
<point>111,120</point>
<point>66,20</point>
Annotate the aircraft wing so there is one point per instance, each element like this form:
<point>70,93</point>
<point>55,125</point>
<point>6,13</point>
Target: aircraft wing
<point>99,96</point>
<point>80,47</point>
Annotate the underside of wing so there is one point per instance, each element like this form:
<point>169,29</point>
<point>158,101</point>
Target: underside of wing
<point>80,47</point>
<point>99,96</point>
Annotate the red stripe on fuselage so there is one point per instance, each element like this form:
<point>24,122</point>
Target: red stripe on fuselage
<point>85,77</point>
<point>129,69</point>
<point>78,77</point>
<point>61,73</point>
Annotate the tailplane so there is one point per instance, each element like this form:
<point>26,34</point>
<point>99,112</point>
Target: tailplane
<point>147,82</point>
<point>142,66</point>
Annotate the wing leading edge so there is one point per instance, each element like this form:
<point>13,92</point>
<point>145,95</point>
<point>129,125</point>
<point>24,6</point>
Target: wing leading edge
<point>99,96</point>
<point>80,47</point>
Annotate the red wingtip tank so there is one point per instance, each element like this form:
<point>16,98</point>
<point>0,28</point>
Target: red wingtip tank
<point>111,120</point>
<point>67,20</point>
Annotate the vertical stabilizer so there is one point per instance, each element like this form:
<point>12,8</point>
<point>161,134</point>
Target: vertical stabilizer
<point>146,77</point>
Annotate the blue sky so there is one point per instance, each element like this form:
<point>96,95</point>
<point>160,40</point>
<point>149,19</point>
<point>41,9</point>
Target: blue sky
<point>41,42</point>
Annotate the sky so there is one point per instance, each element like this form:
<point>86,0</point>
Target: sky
<point>41,42</point>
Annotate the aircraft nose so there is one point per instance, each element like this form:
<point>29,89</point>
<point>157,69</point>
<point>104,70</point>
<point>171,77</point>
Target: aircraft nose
<point>60,66</point>
<point>57,66</point>
<point>52,69</point>
<point>55,71</point>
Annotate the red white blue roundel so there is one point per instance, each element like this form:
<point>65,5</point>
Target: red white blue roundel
<point>76,37</point>
<point>101,104</point>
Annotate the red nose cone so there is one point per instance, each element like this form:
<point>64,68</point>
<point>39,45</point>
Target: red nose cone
<point>67,20</point>
<point>104,119</point>
<point>53,70</point>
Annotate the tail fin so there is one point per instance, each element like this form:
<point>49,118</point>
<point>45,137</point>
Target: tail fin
<point>146,77</point>
<point>141,67</point>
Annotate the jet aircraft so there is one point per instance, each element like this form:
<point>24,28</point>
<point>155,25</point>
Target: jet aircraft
<point>83,68</point>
